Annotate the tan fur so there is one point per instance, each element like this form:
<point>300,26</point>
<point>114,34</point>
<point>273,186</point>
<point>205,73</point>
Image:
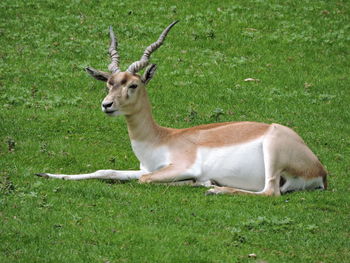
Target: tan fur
<point>122,78</point>
<point>221,134</point>
<point>298,159</point>
<point>169,154</point>
<point>290,154</point>
<point>286,157</point>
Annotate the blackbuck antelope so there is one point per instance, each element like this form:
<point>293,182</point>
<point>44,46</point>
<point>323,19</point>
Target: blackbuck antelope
<point>231,157</point>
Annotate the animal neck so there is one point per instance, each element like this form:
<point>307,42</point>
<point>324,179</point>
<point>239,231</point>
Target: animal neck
<point>141,125</point>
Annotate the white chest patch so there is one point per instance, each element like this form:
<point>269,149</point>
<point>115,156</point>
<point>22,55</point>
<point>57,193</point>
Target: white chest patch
<point>151,157</point>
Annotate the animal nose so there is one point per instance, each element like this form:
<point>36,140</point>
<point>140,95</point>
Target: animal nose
<point>107,105</point>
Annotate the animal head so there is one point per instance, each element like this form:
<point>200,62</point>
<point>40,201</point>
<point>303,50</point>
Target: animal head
<point>126,88</point>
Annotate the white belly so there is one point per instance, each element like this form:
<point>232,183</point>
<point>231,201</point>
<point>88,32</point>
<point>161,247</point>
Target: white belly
<point>240,166</point>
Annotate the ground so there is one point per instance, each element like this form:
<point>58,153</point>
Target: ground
<point>269,61</point>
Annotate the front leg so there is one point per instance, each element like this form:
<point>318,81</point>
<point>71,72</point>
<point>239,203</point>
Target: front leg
<point>167,174</point>
<point>100,174</point>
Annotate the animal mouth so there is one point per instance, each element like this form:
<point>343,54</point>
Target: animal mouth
<point>110,111</point>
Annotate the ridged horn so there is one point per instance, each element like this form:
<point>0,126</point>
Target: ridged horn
<point>143,62</point>
<point>114,66</point>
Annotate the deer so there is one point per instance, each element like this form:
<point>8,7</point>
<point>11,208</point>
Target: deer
<point>243,157</point>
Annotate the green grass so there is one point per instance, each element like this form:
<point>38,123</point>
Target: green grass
<point>50,121</point>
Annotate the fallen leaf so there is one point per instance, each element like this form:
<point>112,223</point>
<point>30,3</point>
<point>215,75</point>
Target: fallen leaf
<point>251,29</point>
<point>251,80</point>
<point>307,85</point>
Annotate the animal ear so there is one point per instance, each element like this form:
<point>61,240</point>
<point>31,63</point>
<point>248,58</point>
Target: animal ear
<point>99,75</point>
<point>149,72</point>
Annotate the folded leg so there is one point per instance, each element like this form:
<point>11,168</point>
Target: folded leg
<point>167,174</point>
<point>234,191</point>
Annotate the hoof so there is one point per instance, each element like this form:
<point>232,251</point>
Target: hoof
<point>143,181</point>
<point>213,191</point>
<point>42,175</point>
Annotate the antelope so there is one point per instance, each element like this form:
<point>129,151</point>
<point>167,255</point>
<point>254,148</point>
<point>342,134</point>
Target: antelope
<point>229,158</point>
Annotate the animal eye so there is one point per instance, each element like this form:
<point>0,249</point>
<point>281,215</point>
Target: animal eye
<point>133,86</point>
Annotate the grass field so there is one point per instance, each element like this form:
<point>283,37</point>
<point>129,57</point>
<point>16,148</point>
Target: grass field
<point>50,121</point>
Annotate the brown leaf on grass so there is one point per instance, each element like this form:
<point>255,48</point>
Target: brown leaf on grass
<point>251,29</point>
<point>308,85</point>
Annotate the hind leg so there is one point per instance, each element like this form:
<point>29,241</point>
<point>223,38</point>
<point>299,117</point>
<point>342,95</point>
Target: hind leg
<point>299,184</point>
<point>234,191</point>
